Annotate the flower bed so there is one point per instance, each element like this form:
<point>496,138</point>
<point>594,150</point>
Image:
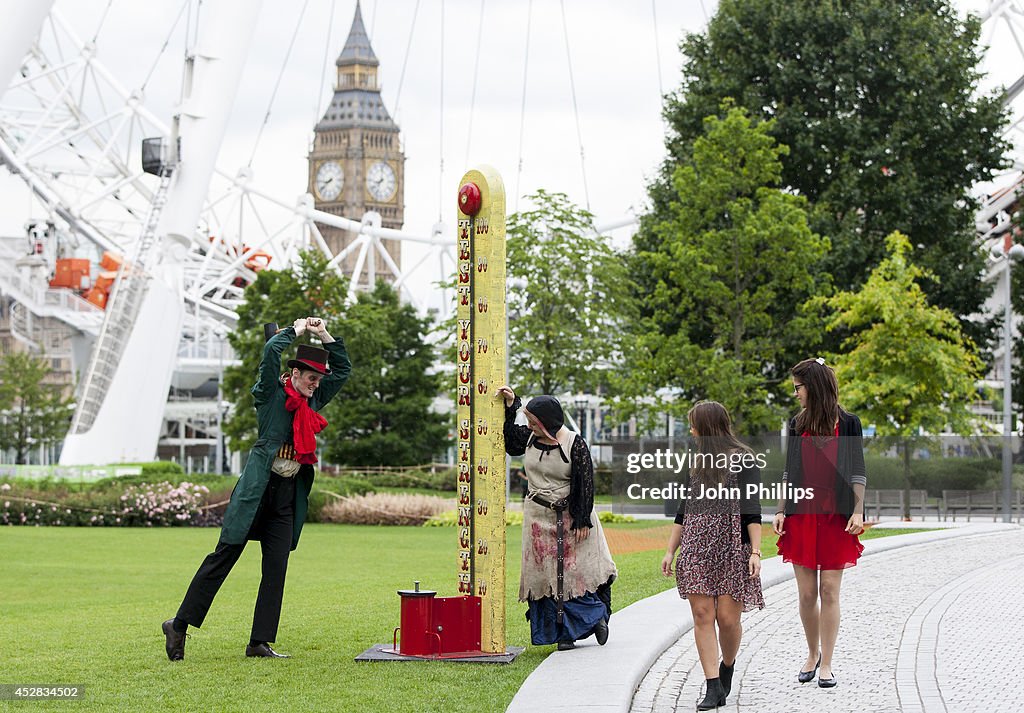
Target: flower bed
<point>147,505</point>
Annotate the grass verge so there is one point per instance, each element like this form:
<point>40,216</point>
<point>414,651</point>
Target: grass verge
<point>84,606</point>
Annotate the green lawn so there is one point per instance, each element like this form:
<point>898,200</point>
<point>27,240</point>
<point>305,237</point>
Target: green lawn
<point>84,606</point>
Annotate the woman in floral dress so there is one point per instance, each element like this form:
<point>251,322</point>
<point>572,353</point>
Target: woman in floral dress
<point>719,566</point>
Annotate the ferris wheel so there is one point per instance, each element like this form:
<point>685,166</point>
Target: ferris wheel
<point>181,236</point>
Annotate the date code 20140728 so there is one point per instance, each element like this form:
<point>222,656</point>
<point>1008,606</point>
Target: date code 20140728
<point>20,692</point>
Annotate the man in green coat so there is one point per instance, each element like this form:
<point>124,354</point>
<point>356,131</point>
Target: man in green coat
<point>269,502</point>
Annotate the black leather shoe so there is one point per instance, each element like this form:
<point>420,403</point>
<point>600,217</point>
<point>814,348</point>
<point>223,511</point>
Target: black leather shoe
<point>175,641</point>
<point>566,645</point>
<point>828,682</point>
<point>725,676</point>
<point>264,651</point>
<point>601,632</point>
<point>806,676</point>
<point>714,697</point>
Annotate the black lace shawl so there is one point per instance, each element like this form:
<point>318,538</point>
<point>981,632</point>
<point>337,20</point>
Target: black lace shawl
<point>581,474</point>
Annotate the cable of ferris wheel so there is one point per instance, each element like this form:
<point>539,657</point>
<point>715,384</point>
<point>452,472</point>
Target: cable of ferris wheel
<point>103,19</point>
<point>522,108</point>
<point>575,110</point>
<point>323,72</point>
<point>166,44</point>
<point>277,84</point>
<point>440,150</point>
<point>657,53</point>
<point>405,60</point>
<point>476,72</point>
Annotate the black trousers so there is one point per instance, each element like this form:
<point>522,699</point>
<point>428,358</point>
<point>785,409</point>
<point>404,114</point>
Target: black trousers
<point>273,528</point>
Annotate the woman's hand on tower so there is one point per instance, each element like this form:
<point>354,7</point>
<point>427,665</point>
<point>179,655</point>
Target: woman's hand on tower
<point>508,394</point>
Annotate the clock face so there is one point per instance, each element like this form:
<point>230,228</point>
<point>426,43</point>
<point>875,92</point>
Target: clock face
<point>380,181</point>
<point>329,180</point>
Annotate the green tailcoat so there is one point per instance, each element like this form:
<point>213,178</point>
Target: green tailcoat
<point>275,428</point>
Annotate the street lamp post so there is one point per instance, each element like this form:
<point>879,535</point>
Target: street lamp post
<point>581,405</point>
<point>1009,252</point>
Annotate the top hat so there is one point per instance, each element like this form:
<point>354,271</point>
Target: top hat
<point>310,357</point>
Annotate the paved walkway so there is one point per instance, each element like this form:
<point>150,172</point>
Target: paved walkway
<point>924,618</point>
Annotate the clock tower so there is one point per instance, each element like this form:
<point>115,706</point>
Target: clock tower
<point>357,164</point>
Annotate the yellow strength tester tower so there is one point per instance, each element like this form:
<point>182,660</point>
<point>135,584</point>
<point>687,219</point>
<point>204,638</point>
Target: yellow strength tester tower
<point>480,370</point>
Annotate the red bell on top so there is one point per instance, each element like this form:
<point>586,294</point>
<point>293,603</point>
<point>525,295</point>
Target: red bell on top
<point>470,199</point>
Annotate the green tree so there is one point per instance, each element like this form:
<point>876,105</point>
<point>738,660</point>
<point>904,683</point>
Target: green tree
<point>32,412</point>
<point>381,416</point>
<point>569,298</point>
<point>386,417</point>
<point>310,288</point>
<point>877,101</point>
<point>909,369</point>
<point>1017,299</point>
<point>733,262</point>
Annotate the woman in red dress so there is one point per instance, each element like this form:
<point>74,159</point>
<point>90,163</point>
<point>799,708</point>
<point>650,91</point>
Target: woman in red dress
<point>825,453</point>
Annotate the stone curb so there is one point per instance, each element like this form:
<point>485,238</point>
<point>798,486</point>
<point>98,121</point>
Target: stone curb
<point>597,678</point>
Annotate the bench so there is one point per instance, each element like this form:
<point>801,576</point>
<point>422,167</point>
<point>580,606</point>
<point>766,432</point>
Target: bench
<point>976,501</point>
<point>1016,504</point>
<point>892,500</point>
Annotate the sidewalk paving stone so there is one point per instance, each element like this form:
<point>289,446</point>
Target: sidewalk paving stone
<point>921,625</point>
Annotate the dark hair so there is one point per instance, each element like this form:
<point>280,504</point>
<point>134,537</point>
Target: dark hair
<point>819,416</point>
<point>714,436</point>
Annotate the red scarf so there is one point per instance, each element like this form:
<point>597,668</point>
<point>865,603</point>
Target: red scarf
<point>305,424</point>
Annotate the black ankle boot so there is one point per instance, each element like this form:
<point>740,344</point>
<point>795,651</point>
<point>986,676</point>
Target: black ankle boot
<point>715,696</point>
<point>725,676</point>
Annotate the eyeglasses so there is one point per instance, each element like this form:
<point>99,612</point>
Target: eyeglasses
<point>797,387</point>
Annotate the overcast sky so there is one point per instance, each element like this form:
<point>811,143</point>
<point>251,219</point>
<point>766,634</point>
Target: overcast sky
<point>621,62</point>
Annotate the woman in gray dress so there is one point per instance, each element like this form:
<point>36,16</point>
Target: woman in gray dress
<point>567,569</point>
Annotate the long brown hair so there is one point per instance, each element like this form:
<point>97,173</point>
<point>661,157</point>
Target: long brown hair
<point>714,437</point>
<point>819,417</point>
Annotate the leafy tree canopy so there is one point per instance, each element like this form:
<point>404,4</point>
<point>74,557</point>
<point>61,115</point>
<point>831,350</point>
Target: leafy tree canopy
<point>381,416</point>
<point>569,298</point>
<point>877,102</point>
<point>730,265</point>
<point>33,412</point>
<point>909,366</point>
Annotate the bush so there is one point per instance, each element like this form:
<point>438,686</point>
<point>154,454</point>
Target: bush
<point>162,504</point>
<point>603,477</point>
<point>213,481</point>
<point>443,480</point>
<point>606,516</point>
<point>327,489</point>
<point>383,509</point>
